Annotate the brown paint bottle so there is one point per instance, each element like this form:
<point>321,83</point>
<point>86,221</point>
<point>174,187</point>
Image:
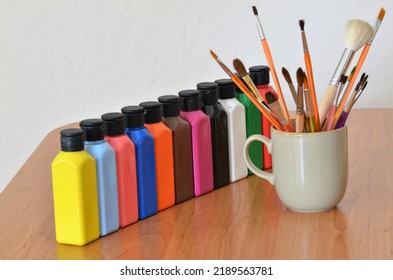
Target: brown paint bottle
<point>182,147</point>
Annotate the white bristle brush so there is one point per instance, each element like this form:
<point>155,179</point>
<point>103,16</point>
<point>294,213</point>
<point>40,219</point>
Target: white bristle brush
<point>357,34</point>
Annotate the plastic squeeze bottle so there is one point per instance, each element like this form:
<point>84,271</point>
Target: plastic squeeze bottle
<point>236,128</point>
<point>260,76</point>
<point>201,140</point>
<point>114,125</point>
<point>219,132</point>
<point>75,199</point>
<point>253,126</point>
<point>105,158</point>
<point>145,160</point>
<point>182,147</point>
<point>163,151</point>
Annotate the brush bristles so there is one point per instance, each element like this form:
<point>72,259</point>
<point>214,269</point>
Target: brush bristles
<point>300,76</point>
<point>254,9</point>
<point>301,24</point>
<point>213,54</point>
<point>381,14</point>
<point>286,75</point>
<point>343,79</point>
<point>240,67</point>
<point>357,34</point>
<point>270,98</point>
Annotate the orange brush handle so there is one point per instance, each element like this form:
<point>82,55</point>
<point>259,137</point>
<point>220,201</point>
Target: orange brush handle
<point>266,113</point>
<point>359,65</point>
<point>313,94</point>
<point>275,78</point>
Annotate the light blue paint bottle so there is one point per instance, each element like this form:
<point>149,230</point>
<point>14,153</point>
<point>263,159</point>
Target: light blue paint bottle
<point>145,160</point>
<point>105,159</point>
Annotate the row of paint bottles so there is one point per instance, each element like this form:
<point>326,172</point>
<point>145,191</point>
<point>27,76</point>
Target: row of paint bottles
<point>143,162</point>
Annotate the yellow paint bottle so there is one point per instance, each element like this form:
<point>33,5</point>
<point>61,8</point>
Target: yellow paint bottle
<point>75,195</point>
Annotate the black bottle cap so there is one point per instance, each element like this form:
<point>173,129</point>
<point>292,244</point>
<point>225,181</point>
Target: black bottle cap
<point>152,111</point>
<point>209,92</point>
<point>226,88</point>
<point>72,140</point>
<point>170,105</point>
<point>93,129</point>
<point>114,124</point>
<point>134,116</point>
<point>237,89</point>
<point>260,74</point>
<point>191,99</point>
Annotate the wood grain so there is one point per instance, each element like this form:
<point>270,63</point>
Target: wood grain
<point>244,220</point>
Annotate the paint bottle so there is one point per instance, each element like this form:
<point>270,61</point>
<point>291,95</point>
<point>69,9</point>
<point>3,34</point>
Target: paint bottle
<point>162,136</point>
<point>219,132</point>
<point>182,147</point>
<point>236,128</point>
<point>105,158</point>
<point>75,198</point>
<point>145,160</point>
<point>201,140</point>
<point>114,128</point>
<point>253,126</point>
<point>260,76</point>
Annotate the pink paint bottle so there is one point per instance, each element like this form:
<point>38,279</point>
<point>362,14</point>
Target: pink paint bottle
<point>114,124</point>
<point>201,140</point>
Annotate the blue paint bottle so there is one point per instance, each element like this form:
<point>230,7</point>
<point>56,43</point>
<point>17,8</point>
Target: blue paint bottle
<point>105,159</point>
<point>145,160</point>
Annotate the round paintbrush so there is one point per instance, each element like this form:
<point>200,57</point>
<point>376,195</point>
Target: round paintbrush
<point>357,34</point>
<point>274,106</point>
<point>287,77</point>
<point>299,103</point>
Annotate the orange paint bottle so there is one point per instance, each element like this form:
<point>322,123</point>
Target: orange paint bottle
<point>162,136</point>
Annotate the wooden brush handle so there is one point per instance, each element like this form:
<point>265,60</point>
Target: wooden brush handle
<point>299,123</point>
<point>313,94</point>
<point>327,101</point>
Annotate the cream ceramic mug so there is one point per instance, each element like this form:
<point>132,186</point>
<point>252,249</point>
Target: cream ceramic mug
<point>310,170</point>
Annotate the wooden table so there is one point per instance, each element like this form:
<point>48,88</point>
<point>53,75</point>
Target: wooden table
<point>244,220</point>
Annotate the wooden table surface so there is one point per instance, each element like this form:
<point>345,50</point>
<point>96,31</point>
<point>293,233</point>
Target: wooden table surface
<point>244,220</point>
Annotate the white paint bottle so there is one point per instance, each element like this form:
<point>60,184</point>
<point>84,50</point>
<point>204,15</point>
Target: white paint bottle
<point>236,128</point>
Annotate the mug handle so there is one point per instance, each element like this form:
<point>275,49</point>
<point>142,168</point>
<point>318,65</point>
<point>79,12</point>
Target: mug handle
<point>263,174</point>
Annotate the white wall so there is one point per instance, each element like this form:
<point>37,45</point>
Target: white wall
<point>65,60</point>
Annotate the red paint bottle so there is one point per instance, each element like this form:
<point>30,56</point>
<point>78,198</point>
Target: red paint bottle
<point>114,124</point>
<point>260,76</point>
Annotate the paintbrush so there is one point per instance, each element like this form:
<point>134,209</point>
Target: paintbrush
<point>275,107</point>
<point>241,70</point>
<point>261,107</point>
<point>287,77</point>
<point>332,111</point>
<point>361,85</point>
<point>299,101</point>
<point>357,34</point>
<point>307,62</point>
<point>309,106</point>
<point>360,62</point>
<point>269,58</point>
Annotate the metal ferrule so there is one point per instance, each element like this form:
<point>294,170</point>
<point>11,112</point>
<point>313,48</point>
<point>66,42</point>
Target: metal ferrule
<point>377,24</point>
<point>260,29</point>
<point>299,103</point>
<point>342,66</point>
<point>305,46</point>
